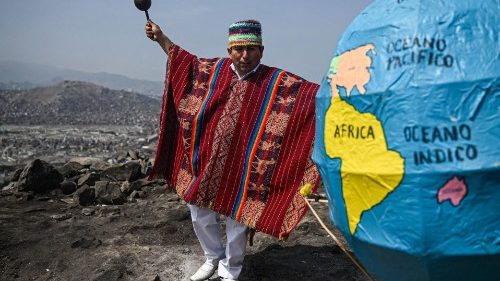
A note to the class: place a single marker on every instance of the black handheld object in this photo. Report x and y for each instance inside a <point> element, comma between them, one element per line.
<point>143,5</point>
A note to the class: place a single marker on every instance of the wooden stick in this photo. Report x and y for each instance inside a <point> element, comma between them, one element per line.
<point>339,243</point>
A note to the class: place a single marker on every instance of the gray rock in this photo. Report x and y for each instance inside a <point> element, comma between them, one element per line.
<point>146,165</point>
<point>109,193</point>
<point>158,189</point>
<point>71,169</point>
<point>121,157</point>
<point>133,195</point>
<point>61,217</point>
<point>138,184</point>
<point>99,166</point>
<point>24,196</point>
<point>127,172</point>
<point>88,211</point>
<point>109,211</point>
<point>137,194</point>
<point>39,176</point>
<point>15,176</point>
<point>141,194</point>
<point>89,179</point>
<point>67,200</point>
<point>10,186</point>
<point>85,161</point>
<point>68,187</point>
<point>126,188</point>
<point>133,155</point>
<point>84,196</point>
<point>75,178</point>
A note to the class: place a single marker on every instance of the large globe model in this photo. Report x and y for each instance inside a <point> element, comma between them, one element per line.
<point>408,139</point>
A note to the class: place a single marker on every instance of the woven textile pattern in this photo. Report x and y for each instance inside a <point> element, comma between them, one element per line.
<point>240,148</point>
<point>245,33</point>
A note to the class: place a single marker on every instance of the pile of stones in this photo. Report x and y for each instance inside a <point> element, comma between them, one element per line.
<point>86,180</point>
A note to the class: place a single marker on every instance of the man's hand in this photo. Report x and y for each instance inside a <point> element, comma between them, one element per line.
<point>154,33</point>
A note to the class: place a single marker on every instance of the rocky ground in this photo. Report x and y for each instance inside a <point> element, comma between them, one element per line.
<point>92,220</point>
<point>57,144</point>
<point>67,215</point>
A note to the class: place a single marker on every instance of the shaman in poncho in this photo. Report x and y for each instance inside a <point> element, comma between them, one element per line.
<point>239,147</point>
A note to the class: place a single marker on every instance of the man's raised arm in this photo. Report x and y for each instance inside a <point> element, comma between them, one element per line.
<point>154,33</point>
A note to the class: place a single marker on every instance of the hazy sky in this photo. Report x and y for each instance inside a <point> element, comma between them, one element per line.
<point>108,35</point>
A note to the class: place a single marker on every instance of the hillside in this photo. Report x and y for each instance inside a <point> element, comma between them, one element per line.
<point>21,75</point>
<point>77,103</point>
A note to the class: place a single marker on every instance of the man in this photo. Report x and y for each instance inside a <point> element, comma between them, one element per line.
<point>235,139</point>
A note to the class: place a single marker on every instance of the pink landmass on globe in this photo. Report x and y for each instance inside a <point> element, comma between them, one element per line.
<point>454,190</point>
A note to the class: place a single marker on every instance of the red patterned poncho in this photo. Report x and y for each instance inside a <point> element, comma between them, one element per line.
<point>239,147</point>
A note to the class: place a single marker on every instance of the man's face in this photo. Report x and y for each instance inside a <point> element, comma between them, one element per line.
<point>245,58</point>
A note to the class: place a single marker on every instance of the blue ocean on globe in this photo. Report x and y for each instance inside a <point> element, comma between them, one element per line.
<point>408,139</point>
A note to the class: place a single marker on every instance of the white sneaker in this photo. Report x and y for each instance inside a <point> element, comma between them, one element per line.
<point>204,272</point>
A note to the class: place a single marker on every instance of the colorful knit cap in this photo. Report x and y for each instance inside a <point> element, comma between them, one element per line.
<point>245,33</point>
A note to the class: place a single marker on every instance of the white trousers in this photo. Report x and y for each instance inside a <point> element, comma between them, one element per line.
<point>229,257</point>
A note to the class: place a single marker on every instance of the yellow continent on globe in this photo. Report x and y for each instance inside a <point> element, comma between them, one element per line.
<point>369,170</point>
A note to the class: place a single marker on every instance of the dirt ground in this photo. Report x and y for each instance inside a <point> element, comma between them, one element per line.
<point>50,238</point>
